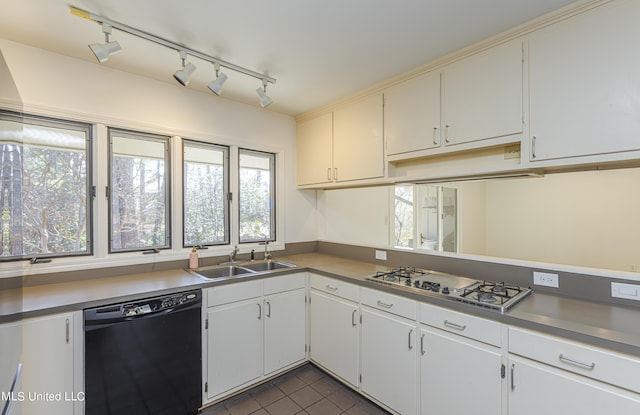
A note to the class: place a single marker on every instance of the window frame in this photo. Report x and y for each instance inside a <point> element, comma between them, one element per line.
<point>226,190</point>
<point>273,162</point>
<point>87,129</point>
<point>139,135</point>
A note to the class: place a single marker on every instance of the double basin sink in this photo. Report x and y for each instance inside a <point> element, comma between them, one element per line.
<point>242,269</point>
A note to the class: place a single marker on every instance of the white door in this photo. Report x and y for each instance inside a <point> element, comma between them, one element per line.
<point>234,345</point>
<point>284,330</point>
<point>412,114</point>
<point>539,389</point>
<point>483,94</point>
<point>452,366</point>
<point>389,360</point>
<point>584,84</point>
<point>334,331</point>
<point>47,365</point>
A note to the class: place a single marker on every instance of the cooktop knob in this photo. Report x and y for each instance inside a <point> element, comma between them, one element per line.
<point>445,290</point>
<point>407,281</point>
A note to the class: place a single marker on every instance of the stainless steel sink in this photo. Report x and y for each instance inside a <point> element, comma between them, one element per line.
<point>267,265</point>
<point>226,271</point>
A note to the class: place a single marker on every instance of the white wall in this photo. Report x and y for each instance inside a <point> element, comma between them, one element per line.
<point>56,85</point>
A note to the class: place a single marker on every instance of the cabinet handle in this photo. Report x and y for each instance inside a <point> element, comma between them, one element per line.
<point>268,309</point>
<point>335,173</point>
<point>259,311</point>
<point>422,351</point>
<point>329,173</point>
<point>435,135</point>
<point>533,147</point>
<point>410,345</point>
<point>565,359</point>
<point>454,325</point>
<point>513,372</point>
<point>385,305</point>
<point>446,133</point>
<point>67,331</point>
<point>353,318</point>
<point>332,289</point>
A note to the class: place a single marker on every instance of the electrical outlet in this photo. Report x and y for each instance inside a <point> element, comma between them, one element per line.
<point>381,255</point>
<point>628,291</point>
<point>546,279</point>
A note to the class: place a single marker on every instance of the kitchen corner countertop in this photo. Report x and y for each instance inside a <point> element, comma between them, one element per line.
<point>609,326</point>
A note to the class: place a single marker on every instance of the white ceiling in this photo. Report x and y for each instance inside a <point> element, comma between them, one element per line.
<point>319,51</point>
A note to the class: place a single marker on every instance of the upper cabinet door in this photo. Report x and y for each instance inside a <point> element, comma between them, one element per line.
<point>358,140</point>
<point>412,114</point>
<point>315,150</point>
<point>482,95</point>
<point>585,84</point>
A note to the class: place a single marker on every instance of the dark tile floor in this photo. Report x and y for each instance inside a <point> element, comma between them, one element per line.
<point>305,390</point>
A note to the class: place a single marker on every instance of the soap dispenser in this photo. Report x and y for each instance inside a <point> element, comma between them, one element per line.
<point>193,259</point>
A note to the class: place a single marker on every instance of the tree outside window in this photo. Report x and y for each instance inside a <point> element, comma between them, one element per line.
<point>257,196</point>
<point>138,191</point>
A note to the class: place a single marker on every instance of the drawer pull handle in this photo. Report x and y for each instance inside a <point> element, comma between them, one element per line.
<point>332,289</point>
<point>454,325</point>
<point>385,305</point>
<point>589,366</point>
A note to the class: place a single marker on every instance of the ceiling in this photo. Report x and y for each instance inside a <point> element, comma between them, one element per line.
<point>319,51</point>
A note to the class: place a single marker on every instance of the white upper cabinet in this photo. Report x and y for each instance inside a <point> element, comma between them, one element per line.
<point>584,83</point>
<point>342,146</point>
<point>315,150</point>
<point>412,114</point>
<point>483,95</point>
<point>358,140</point>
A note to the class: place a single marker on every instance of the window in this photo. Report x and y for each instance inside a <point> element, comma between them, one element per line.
<point>404,234</point>
<point>256,198</point>
<point>45,188</point>
<point>205,189</point>
<point>138,191</point>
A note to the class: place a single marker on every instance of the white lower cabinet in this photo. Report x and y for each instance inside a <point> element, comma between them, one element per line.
<point>548,374</point>
<point>253,329</point>
<point>334,332</point>
<point>389,346</point>
<point>51,364</point>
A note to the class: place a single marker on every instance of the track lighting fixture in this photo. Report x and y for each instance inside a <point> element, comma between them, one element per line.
<point>106,49</point>
<point>103,51</point>
<point>183,75</point>
<point>221,77</point>
<point>262,93</point>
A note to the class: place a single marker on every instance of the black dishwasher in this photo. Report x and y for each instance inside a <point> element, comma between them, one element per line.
<point>144,357</point>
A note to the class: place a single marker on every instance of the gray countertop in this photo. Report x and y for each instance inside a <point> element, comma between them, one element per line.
<point>609,326</point>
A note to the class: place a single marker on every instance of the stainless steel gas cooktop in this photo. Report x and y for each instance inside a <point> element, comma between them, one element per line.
<point>487,294</point>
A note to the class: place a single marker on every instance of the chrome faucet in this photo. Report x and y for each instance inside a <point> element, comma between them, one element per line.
<point>267,254</point>
<point>232,255</point>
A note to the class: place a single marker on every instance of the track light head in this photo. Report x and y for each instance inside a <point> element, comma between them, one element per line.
<point>183,75</point>
<point>103,51</point>
<point>262,93</point>
<point>221,78</point>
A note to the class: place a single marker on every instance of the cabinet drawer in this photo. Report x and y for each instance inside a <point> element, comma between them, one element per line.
<point>390,303</point>
<point>476,328</point>
<point>601,364</point>
<point>336,287</point>
<point>283,283</point>
<point>233,292</point>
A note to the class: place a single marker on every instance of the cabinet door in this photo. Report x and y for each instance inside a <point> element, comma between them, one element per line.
<point>334,332</point>
<point>315,150</point>
<point>412,114</point>
<point>47,365</point>
<point>482,95</point>
<point>450,364</point>
<point>389,360</point>
<point>284,330</point>
<point>234,346</point>
<point>584,84</point>
<point>358,140</point>
<point>539,389</point>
